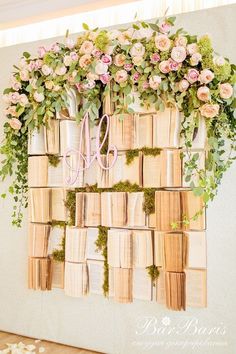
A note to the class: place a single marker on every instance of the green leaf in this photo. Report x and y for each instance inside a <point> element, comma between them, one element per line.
<point>85,26</point>
<point>26,55</point>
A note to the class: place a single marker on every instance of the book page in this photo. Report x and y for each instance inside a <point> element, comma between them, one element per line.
<point>96,277</point>
<point>55,239</point>
<point>38,171</point>
<point>52,136</point>
<point>59,211</point>
<point>142,131</point>
<point>38,235</point>
<point>196,257</point>
<point>55,175</point>
<point>75,244</point>
<point>36,142</point>
<point>196,288</point>
<point>40,205</point>
<point>151,171</point>
<point>142,285</point>
<point>136,215</point>
<point>69,136</point>
<point>121,131</point>
<point>91,248</point>
<point>142,248</point>
<point>58,272</point>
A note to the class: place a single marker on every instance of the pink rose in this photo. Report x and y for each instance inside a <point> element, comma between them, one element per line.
<point>101,68</point>
<point>121,76</point>
<point>183,85</point>
<point>11,110</point>
<point>46,70</point>
<point>154,82</point>
<point>206,76</point>
<point>155,57</point>
<point>15,123</point>
<point>16,85</point>
<point>203,93</point>
<point>178,54</point>
<point>74,56</point>
<point>60,70</point>
<point>96,53</point>
<point>165,27</point>
<point>136,77</point>
<point>164,67</point>
<point>119,59</point>
<point>226,91</point>
<point>38,64</point>
<point>23,100</point>
<point>173,65</point>
<point>192,75</point>
<point>55,48</point>
<point>105,78</point>
<point>31,65</point>
<point>181,41</point>
<point>42,51</point>
<point>128,67</point>
<point>145,85</point>
<point>192,48</point>
<point>195,58</point>
<point>209,110</point>
<point>162,42</point>
<point>85,60</point>
<point>24,75</point>
<point>86,47</point>
<point>14,97</point>
<point>70,43</point>
<point>106,59</point>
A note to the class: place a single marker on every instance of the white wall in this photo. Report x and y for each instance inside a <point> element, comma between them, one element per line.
<point>100,324</point>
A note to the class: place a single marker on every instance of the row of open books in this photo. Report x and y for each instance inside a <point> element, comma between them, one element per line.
<point>148,171</point>
<point>174,289</point>
<point>126,131</point>
<point>126,248</point>
<point>119,209</point>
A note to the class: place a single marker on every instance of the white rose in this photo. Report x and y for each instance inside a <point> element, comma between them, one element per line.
<point>60,70</point>
<point>46,70</point>
<point>39,97</point>
<point>67,60</point>
<point>137,50</point>
<point>101,68</point>
<point>154,82</point>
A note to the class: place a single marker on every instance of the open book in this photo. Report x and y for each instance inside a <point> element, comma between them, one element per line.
<point>75,244</point>
<point>55,239</point>
<point>142,131</point>
<point>51,132</point>
<point>196,249</point>
<point>40,205</point>
<point>88,209</point>
<point>120,284</point>
<point>42,174</point>
<point>76,279</point>
<point>136,217</point>
<point>121,172</point>
<point>142,248</point>
<point>39,274</point>
<point>166,128</point>
<point>121,131</point>
<point>113,209</point>
<point>175,290</point>
<point>73,174</point>
<point>91,249</point>
<point>38,236</point>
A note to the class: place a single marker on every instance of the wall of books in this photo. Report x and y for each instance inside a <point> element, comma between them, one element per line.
<point>132,229</point>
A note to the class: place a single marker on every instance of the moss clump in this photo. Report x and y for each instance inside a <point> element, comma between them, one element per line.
<point>70,204</point>
<point>59,255</point>
<point>206,51</point>
<point>222,72</point>
<point>131,154</point>
<point>102,41</point>
<point>58,223</point>
<point>125,187</point>
<point>101,244</point>
<point>53,160</point>
<point>149,201</point>
<point>153,272</point>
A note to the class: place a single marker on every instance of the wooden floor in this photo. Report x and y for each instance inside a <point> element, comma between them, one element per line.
<point>50,348</point>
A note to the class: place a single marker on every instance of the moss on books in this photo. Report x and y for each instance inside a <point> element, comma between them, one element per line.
<point>131,154</point>
<point>59,255</point>
<point>153,272</point>
<point>53,160</point>
<point>101,244</point>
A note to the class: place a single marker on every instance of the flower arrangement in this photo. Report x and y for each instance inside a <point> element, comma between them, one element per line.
<point>165,68</point>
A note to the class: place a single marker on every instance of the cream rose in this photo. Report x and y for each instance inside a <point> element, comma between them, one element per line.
<point>206,76</point>
<point>195,58</point>
<point>101,68</point>
<point>183,85</point>
<point>119,59</point>
<point>178,54</point>
<point>192,48</point>
<point>46,70</point>
<point>86,47</point>
<point>121,76</point>
<point>137,50</point>
<point>67,60</point>
<point>203,94</point>
<point>92,76</point>
<point>85,60</point>
<point>137,61</point>
<point>60,70</point>
<point>181,41</point>
<point>24,75</point>
<point>23,100</point>
<point>226,91</point>
<point>164,67</point>
<point>14,97</point>
<point>15,123</point>
<point>49,85</point>
<point>154,82</point>
<point>192,75</point>
<point>209,110</point>
<point>39,97</point>
<point>162,42</point>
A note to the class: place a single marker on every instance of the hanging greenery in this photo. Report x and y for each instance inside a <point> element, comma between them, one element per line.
<point>164,67</point>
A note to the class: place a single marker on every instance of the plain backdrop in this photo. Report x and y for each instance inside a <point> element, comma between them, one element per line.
<point>97,323</point>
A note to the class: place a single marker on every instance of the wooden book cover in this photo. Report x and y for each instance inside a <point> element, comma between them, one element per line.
<point>38,239</point>
<point>75,244</point>
<point>123,280</point>
<point>40,205</point>
<point>173,251</point>
<point>59,211</point>
<point>36,142</point>
<point>142,131</point>
<point>38,171</point>
<point>168,209</point>
<point>121,131</point>
<point>142,248</point>
<point>191,205</point>
<point>52,137</point>
<point>196,287</point>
